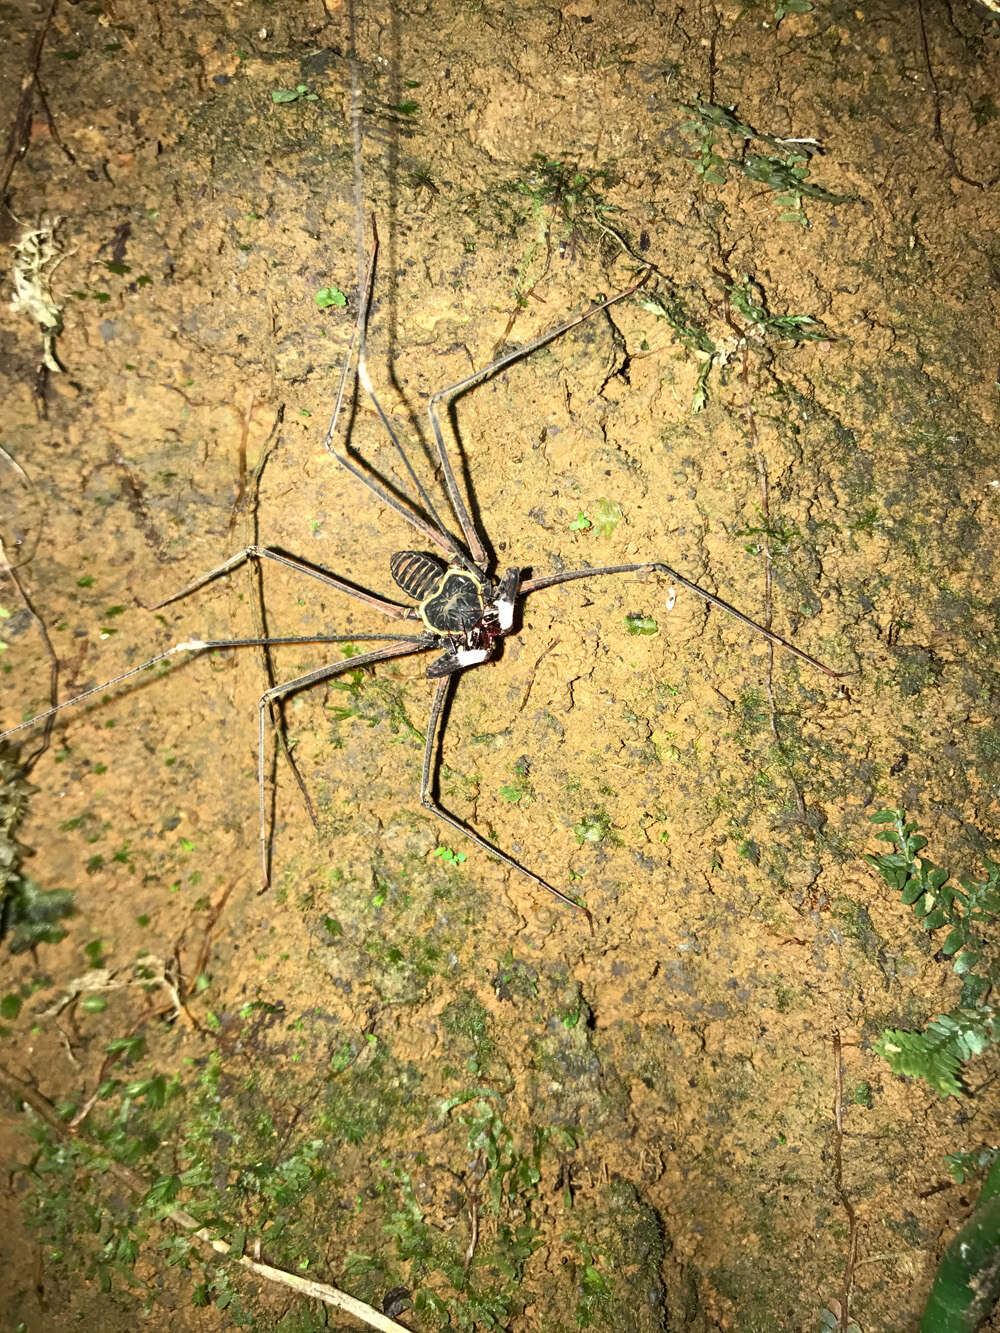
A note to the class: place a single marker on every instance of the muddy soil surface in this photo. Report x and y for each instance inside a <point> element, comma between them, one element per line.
<point>405,1066</point>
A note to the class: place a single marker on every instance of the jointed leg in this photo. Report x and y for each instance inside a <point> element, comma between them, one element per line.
<point>436,534</point>
<point>431,749</point>
<point>399,647</point>
<point>205,645</point>
<point>393,609</point>
<point>549,580</point>
<point>453,390</point>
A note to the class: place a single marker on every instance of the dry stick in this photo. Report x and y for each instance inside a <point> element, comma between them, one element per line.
<point>317,1291</point>
<point>12,462</point>
<point>751,420</point>
<point>7,568</point>
<point>17,137</point>
<point>838,1181</point>
<point>178,993</point>
<point>949,151</point>
<point>57,138</point>
<point>241,462</point>
<point>470,1252</point>
<point>108,1063</point>
<point>531,679</point>
<point>206,940</point>
<point>522,299</point>
<point>183,989</point>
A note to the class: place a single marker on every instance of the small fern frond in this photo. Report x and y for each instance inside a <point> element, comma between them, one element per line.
<point>917,1055</point>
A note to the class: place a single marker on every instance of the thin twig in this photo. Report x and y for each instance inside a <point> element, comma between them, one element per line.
<point>241,463</point>
<point>949,151</point>
<point>176,1006</point>
<point>206,940</point>
<point>7,568</point>
<point>53,128</point>
<point>316,1291</point>
<point>531,679</point>
<point>476,1172</point>
<point>522,298</point>
<point>107,1064</point>
<point>838,1182</point>
<point>751,419</point>
<point>11,461</point>
<point>17,138</point>
<point>175,988</point>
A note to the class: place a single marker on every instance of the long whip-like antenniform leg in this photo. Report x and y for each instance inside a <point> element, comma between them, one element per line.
<point>437,534</point>
<point>399,647</point>
<point>427,800</point>
<point>207,645</point>
<point>402,505</point>
<point>393,609</point>
<point>550,580</point>
<point>446,395</point>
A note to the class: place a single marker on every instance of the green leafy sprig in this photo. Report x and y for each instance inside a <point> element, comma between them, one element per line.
<point>965,908</point>
<point>966,911</point>
<point>783,170</point>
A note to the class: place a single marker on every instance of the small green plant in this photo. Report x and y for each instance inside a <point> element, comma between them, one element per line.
<point>594,1285</point>
<point>967,1165</point>
<point>937,1054</point>
<point>449,857</point>
<point>595,828</point>
<point>686,328</point>
<point>571,194</point>
<point>747,297</point>
<point>563,202</point>
<point>330,296</point>
<point>751,715</point>
<point>641,625</point>
<point>692,336</point>
<point>783,7</point>
<point>514,978</point>
<point>421,179</point>
<point>964,911</point>
<point>466,1018</point>
<point>784,170</point>
<point>607,518</point>
<point>776,535</point>
<point>967,1282</point>
<point>520,791</point>
<point>485,1281</point>
<point>29,915</point>
<point>96,956</point>
<point>601,521</point>
<point>300,93</point>
<point>373,700</point>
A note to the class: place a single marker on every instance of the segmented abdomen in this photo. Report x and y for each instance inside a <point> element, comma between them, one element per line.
<point>416,572</point>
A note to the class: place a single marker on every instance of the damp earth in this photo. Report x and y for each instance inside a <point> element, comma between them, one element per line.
<point>403,1066</point>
